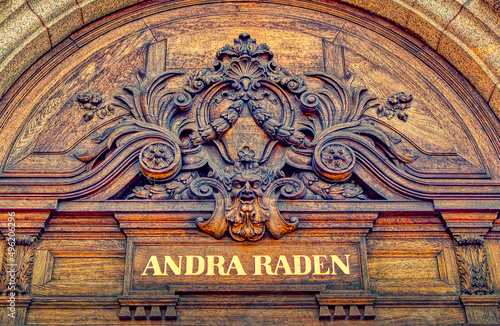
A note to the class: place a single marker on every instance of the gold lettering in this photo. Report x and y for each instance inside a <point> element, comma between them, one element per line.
<point>236,264</point>
<point>155,266</point>
<point>297,265</point>
<point>344,267</point>
<point>190,265</point>
<point>259,264</point>
<point>318,265</point>
<point>195,265</point>
<point>283,263</point>
<point>170,262</point>
<point>211,265</point>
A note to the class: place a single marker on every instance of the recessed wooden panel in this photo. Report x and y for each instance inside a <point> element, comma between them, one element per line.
<point>333,265</point>
<point>421,316</point>
<point>78,269</point>
<point>74,316</point>
<point>77,276</point>
<point>417,266</point>
<point>421,267</point>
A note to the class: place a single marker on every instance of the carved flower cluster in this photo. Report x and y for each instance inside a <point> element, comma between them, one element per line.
<point>397,103</point>
<point>91,103</point>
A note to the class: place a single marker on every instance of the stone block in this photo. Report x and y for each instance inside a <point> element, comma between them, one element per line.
<point>24,40</point>
<point>61,17</point>
<point>396,11</point>
<point>486,12</point>
<point>428,30</point>
<point>8,7</point>
<point>495,101</point>
<point>468,63</point>
<point>95,9</point>
<point>442,12</point>
<point>477,36</point>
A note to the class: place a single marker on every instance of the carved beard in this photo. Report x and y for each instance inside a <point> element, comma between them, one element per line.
<point>247,220</point>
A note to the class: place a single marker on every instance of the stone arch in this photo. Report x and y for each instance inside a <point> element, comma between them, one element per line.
<point>466,33</point>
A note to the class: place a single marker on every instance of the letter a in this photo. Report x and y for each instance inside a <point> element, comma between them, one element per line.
<point>283,263</point>
<point>152,264</point>
<point>236,264</point>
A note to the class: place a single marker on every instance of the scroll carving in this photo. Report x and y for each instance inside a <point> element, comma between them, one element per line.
<point>17,266</point>
<point>247,132</point>
<point>475,277</point>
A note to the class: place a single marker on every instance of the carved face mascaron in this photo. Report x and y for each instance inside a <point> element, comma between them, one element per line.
<point>246,182</point>
<point>247,187</point>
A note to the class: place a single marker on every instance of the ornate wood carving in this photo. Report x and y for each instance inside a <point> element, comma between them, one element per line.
<point>92,103</point>
<point>337,308</point>
<point>472,263</point>
<point>259,131</point>
<point>249,146</point>
<point>395,106</point>
<point>18,262</point>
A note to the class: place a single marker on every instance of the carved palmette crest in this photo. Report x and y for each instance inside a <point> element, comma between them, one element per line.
<point>247,132</point>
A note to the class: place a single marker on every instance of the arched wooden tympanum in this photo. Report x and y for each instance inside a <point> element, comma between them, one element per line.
<point>249,162</point>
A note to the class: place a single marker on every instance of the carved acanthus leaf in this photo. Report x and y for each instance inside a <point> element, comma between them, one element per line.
<point>23,255</point>
<point>472,263</point>
<point>25,272</point>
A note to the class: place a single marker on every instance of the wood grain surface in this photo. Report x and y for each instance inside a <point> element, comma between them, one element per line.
<point>341,136</point>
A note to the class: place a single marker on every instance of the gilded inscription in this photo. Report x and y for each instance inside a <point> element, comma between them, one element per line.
<point>261,265</point>
<point>206,267</point>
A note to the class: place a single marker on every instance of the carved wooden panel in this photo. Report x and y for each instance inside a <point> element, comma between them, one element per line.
<point>162,159</point>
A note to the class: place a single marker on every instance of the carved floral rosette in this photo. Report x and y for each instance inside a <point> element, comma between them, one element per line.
<point>247,132</point>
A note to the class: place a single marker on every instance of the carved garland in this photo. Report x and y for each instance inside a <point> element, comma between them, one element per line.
<point>315,133</point>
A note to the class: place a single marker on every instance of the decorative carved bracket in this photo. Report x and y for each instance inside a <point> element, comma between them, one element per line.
<point>345,308</point>
<point>472,262</point>
<point>469,229</point>
<point>144,308</point>
<point>17,264</point>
